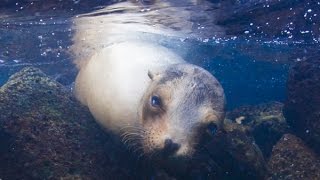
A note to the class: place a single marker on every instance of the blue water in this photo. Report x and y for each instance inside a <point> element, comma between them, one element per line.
<point>248,78</point>
<point>40,41</point>
<point>247,82</point>
<point>251,71</point>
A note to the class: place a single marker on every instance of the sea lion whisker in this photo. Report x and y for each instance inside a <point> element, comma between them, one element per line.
<point>137,133</point>
<point>130,140</point>
<point>141,155</point>
<point>131,127</point>
<point>137,148</point>
<point>139,151</point>
<point>155,154</point>
<point>131,134</point>
<point>131,130</point>
<point>133,146</point>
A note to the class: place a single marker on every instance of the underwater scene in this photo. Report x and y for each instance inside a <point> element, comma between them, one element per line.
<point>160,89</point>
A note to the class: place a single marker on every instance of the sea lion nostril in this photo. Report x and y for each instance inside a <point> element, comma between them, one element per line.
<point>170,147</point>
<point>175,146</point>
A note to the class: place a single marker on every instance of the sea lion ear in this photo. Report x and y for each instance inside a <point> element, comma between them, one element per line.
<point>152,75</point>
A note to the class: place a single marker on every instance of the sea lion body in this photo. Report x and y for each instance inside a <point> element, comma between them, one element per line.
<point>140,90</point>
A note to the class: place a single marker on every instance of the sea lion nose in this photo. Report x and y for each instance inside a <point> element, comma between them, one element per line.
<point>170,147</point>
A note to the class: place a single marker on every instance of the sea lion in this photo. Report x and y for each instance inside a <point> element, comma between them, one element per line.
<point>147,94</point>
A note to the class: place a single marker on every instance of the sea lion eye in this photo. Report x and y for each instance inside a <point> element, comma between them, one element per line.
<point>155,101</point>
<point>212,129</point>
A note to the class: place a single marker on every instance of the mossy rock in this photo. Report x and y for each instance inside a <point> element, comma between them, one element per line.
<point>265,121</point>
<point>46,134</point>
<point>292,159</point>
<point>302,106</point>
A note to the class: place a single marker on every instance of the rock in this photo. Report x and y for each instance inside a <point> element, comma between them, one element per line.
<point>45,133</point>
<point>266,122</point>
<point>228,154</point>
<point>302,107</point>
<point>235,153</point>
<point>292,159</point>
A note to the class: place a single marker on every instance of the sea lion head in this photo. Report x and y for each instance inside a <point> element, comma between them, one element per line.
<point>181,101</point>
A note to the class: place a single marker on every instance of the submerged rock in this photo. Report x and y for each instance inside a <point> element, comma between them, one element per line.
<point>229,154</point>
<point>302,107</point>
<point>292,159</point>
<point>237,154</point>
<point>45,133</point>
<point>265,121</point>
